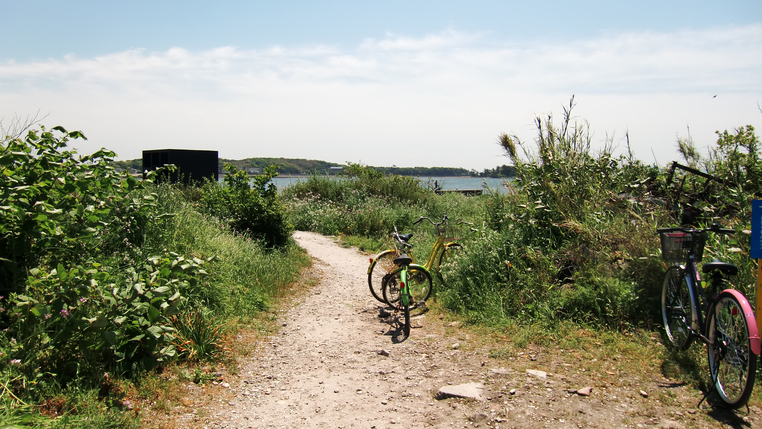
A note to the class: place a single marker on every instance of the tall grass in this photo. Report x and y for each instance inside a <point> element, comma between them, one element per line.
<point>367,204</point>
<point>243,273</point>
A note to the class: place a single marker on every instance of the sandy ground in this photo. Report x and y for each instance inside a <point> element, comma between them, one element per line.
<point>336,364</point>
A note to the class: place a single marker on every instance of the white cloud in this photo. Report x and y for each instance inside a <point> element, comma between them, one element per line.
<point>436,100</point>
<point>446,40</point>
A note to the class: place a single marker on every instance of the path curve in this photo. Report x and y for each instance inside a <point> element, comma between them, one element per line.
<point>334,363</point>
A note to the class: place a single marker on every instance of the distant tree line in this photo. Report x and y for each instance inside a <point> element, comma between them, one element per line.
<point>502,171</point>
<point>290,166</point>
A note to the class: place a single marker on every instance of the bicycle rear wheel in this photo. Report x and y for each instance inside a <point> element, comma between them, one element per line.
<point>676,308</point>
<point>731,362</point>
<point>380,266</point>
<point>419,285</point>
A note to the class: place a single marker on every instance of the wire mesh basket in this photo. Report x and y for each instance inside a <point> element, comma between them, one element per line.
<point>455,231</point>
<point>675,246</point>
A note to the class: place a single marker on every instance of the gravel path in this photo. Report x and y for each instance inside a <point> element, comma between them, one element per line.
<point>336,364</point>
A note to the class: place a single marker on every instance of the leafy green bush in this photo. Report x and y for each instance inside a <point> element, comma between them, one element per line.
<point>249,205</point>
<point>75,322</point>
<point>58,207</point>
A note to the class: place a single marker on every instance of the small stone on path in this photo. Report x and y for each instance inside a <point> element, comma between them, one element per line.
<point>468,391</point>
<point>539,374</point>
<point>585,391</point>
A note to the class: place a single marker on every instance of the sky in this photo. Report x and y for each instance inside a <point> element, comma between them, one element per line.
<point>406,83</point>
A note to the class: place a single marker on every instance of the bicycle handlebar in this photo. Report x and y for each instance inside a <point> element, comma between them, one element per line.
<point>714,228</point>
<point>444,219</point>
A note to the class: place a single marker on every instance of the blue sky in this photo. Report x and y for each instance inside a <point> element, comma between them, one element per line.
<point>410,83</point>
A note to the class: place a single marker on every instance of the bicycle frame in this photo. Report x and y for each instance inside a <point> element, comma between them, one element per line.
<point>704,304</point>
<point>439,246</point>
<point>404,295</point>
<point>698,297</point>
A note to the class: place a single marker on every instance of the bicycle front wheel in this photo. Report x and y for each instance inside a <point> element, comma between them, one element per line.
<point>676,308</point>
<point>449,254</point>
<point>419,285</point>
<point>406,313</point>
<point>380,266</point>
<point>731,362</point>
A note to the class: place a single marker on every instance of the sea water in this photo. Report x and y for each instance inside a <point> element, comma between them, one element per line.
<point>444,183</point>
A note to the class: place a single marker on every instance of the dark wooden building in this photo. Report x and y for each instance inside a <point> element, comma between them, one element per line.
<point>193,166</point>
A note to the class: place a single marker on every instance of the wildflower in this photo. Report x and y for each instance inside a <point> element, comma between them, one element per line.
<point>83,300</point>
<point>16,361</point>
<point>47,315</point>
<point>64,313</point>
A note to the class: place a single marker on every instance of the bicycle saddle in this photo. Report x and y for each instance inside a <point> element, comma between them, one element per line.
<point>403,259</point>
<point>406,237</point>
<point>723,267</point>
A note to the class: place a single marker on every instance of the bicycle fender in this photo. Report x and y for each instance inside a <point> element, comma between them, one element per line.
<point>749,313</point>
<point>420,267</point>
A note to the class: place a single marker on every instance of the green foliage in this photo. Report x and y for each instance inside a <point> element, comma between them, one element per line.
<point>250,205</point>
<point>95,273</point>
<point>736,158</point>
<point>75,322</point>
<point>73,408</point>
<point>425,171</point>
<point>285,165</point>
<point>56,204</point>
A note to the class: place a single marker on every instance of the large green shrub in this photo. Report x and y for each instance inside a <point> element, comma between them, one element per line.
<point>78,297</point>
<point>60,207</point>
<point>94,277</point>
<point>250,205</point>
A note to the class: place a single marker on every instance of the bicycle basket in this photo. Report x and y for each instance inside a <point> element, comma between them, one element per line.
<point>676,245</point>
<point>454,232</point>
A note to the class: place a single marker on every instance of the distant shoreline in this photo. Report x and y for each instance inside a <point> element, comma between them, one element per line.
<point>305,176</point>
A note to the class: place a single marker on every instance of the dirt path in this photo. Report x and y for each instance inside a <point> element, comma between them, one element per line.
<point>335,364</point>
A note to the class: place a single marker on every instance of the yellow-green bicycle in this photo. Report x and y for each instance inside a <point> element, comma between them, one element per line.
<point>382,266</point>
